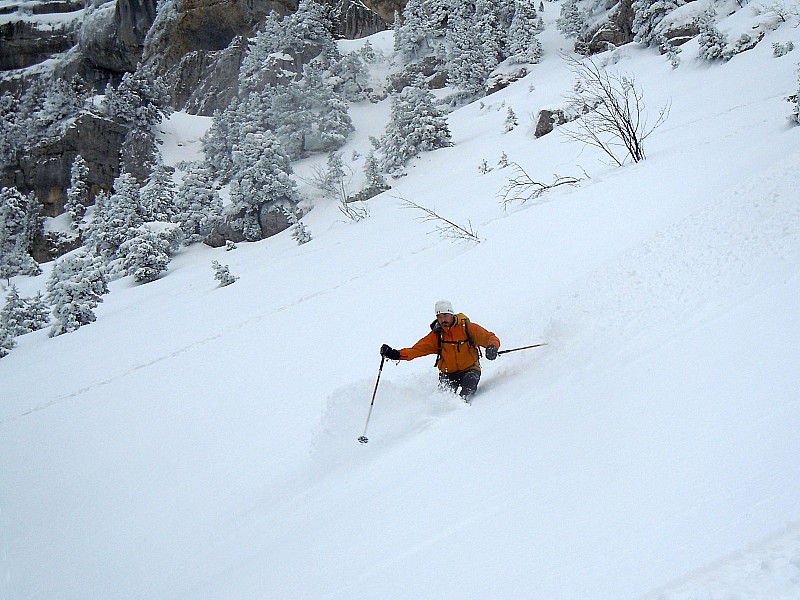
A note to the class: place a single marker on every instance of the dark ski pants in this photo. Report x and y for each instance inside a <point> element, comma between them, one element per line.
<point>466,380</point>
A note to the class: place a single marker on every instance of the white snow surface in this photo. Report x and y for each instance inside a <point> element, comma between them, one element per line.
<point>199,442</point>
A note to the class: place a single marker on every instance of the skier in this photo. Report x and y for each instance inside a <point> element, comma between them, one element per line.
<point>455,341</point>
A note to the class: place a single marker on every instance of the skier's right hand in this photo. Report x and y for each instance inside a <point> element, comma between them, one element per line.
<point>389,352</point>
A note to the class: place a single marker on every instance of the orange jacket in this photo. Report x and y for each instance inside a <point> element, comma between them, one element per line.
<point>457,353</point>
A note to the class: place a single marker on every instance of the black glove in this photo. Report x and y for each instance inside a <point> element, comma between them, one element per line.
<point>491,352</point>
<point>389,352</point>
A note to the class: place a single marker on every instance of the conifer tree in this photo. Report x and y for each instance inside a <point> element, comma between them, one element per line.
<point>23,315</point>
<point>9,131</point>
<point>142,98</point>
<point>271,38</point>
<point>372,173</point>
<point>11,316</point>
<point>523,45</point>
<point>64,99</point>
<point>711,40</point>
<point>78,191</point>
<point>796,111</point>
<point>19,222</point>
<point>308,26</point>
<point>198,207</point>
<point>571,21</point>
<point>416,125</point>
<point>222,273</point>
<point>647,15</point>
<point>146,256</point>
<point>262,181</point>
<point>157,196</point>
<point>511,120</point>
<point>6,341</point>
<point>75,288</point>
<point>116,218</point>
<point>414,32</point>
<point>352,79</point>
<point>36,313</point>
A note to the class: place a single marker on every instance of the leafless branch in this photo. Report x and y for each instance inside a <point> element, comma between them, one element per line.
<point>617,117</point>
<point>523,188</point>
<point>445,227</point>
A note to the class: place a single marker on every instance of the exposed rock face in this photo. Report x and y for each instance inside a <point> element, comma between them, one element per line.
<point>356,20</point>
<point>429,68</point>
<point>200,49</point>
<point>616,30</point>
<point>270,221</point>
<point>385,8</point>
<point>45,170</point>
<point>112,36</point>
<point>24,43</point>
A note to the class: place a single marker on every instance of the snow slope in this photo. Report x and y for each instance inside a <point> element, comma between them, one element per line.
<point>200,442</point>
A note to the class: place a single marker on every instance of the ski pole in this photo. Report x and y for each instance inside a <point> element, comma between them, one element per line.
<point>364,439</point>
<point>521,348</point>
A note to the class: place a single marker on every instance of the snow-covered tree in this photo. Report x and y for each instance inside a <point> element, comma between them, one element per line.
<point>222,136</point>
<point>78,191</point>
<point>157,196</point>
<point>351,78</point>
<point>413,31</point>
<point>333,182</point>
<point>63,101</point>
<point>36,314</point>
<point>222,273</point>
<point>75,288</point>
<point>262,181</point>
<point>796,111</point>
<point>11,316</point>
<point>332,121</point>
<point>6,341</point>
<point>647,15</point>
<point>523,45</point>
<point>511,120</point>
<point>711,40</point>
<point>308,26</point>
<point>23,315</point>
<point>19,223</point>
<point>198,207</point>
<point>571,22</point>
<point>146,255</point>
<point>416,125</point>
<point>9,130</point>
<point>475,43</point>
<point>372,173</point>
<point>116,218</point>
<point>141,99</point>
<point>300,233</point>
<point>269,40</point>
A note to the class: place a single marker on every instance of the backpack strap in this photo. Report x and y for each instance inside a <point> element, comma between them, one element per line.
<point>436,326</point>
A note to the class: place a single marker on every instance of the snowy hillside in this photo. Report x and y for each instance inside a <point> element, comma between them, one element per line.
<point>199,442</point>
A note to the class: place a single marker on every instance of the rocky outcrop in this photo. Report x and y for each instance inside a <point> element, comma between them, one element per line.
<point>199,50</point>
<point>615,30</point>
<point>385,8</point>
<point>356,20</point>
<point>112,36</point>
<point>45,169</point>
<point>28,40</point>
<point>270,220</point>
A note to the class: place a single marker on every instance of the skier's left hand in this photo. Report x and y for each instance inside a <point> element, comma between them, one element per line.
<point>491,352</point>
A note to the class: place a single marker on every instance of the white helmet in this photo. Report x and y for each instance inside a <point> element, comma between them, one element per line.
<point>444,306</point>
